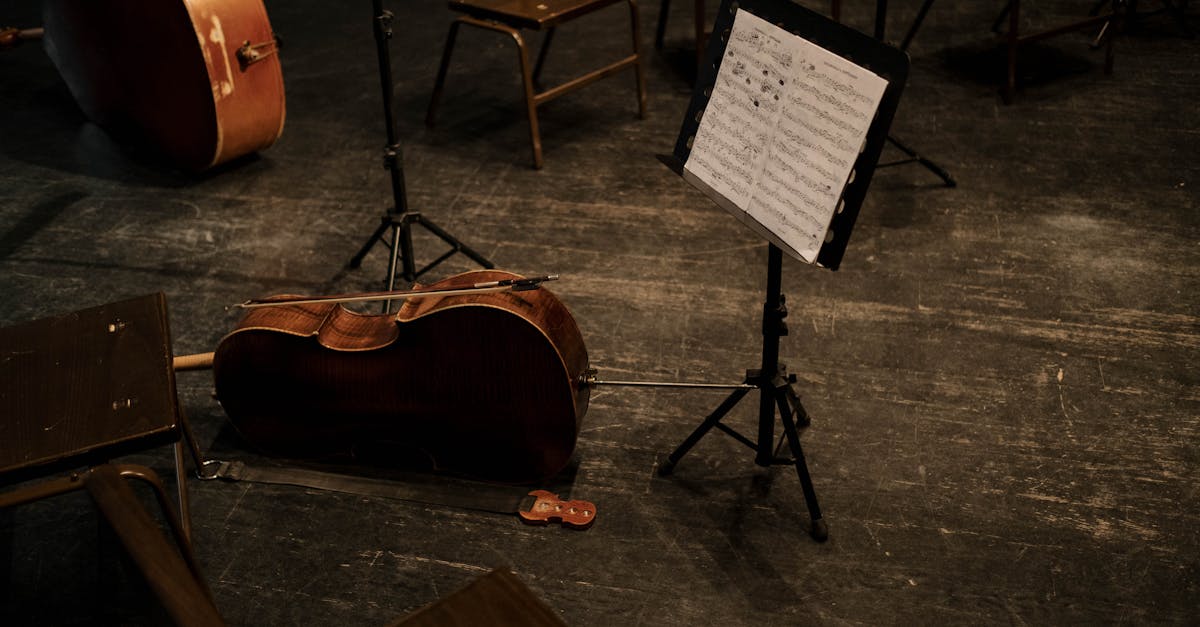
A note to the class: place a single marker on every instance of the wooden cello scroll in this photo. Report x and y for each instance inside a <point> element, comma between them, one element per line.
<point>196,80</point>
<point>547,508</point>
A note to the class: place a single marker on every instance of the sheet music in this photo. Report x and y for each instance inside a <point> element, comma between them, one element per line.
<point>782,129</point>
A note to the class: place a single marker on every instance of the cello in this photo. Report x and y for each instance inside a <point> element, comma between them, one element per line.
<point>199,80</point>
<point>485,385</point>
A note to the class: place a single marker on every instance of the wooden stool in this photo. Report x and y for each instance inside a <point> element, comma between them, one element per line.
<point>80,389</point>
<point>512,16</point>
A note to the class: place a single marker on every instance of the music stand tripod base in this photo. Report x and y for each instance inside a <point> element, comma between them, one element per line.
<point>776,393</point>
<point>401,246</point>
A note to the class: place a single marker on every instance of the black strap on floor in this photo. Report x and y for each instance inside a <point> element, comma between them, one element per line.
<point>426,489</point>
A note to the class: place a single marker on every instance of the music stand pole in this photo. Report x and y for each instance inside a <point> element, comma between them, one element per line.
<point>776,392</point>
<point>399,219</point>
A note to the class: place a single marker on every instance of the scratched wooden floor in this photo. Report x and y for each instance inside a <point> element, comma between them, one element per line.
<point>1002,377</point>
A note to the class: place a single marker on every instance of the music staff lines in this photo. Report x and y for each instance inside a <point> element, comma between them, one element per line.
<point>782,130</point>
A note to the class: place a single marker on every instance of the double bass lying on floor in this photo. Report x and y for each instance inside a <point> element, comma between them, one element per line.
<point>487,385</point>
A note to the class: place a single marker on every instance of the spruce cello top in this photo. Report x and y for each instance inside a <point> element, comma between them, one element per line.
<point>484,385</point>
<point>199,80</point>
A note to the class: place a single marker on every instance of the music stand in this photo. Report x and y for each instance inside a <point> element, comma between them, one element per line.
<point>399,219</point>
<point>772,379</point>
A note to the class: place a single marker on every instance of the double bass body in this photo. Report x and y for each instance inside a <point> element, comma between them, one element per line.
<point>172,74</point>
<point>484,385</point>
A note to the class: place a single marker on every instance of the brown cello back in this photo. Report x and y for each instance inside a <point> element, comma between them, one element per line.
<point>167,73</point>
<point>483,385</point>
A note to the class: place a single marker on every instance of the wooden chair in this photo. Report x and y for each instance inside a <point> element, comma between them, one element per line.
<point>513,16</point>
<point>1107,24</point>
<point>80,389</point>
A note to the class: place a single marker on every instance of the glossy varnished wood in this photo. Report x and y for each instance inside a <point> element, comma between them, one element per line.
<point>486,385</point>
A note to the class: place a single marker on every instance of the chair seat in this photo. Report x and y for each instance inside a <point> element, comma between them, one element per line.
<point>528,14</point>
<point>85,387</point>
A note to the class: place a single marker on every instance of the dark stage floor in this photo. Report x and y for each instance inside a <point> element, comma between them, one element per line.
<point>1002,377</point>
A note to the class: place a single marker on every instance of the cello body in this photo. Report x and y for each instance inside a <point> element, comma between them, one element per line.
<point>482,385</point>
<point>169,73</point>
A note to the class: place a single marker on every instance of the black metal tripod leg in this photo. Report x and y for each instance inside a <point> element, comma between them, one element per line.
<point>453,241</point>
<point>929,165</point>
<point>916,25</point>
<point>820,531</point>
<point>788,393</point>
<point>711,421</point>
<point>1002,17</point>
<point>660,30</point>
<point>356,261</point>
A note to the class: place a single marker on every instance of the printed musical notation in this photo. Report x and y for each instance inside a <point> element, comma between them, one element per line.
<point>781,132</point>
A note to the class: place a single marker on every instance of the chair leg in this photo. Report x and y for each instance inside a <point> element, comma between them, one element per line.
<point>1113,26</point>
<point>531,96</point>
<point>1003,15</point>
<point>179,586</point>
<point>40,490</point>
<point>635,27</point>
<point>185,510</point>
<point>1010,80</point>
<point>535,135</point>
<point>835,10</point>
<point>188,599</point>
<point>541,60</point>
<point>660,30</point>
<point>179,529</point>
<point>699,19</point>
<point>440,83</point>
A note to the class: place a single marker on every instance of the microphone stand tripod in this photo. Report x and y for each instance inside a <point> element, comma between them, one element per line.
<point>399,219</point>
